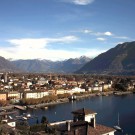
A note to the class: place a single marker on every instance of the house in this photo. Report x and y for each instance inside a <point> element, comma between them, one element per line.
<point>107,86</point>
<point>35,94</point>
<point>7,120</point>
<point>42,81</point>
<point>77,90</point>
<point>13,95</point>
<point>29,84</point>
<point>84,123</point>
<point>3,96</point>
<point>10,122</point>
<point>59,91</point>
<point>95,88</point>
<point>51,92</point>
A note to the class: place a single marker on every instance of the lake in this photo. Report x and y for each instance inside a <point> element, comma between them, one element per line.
<point>107,108</point>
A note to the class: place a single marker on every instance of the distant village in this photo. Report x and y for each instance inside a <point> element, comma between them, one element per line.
<point>17,87</point>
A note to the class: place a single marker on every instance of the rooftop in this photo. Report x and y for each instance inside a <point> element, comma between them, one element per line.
<point>84,111</point>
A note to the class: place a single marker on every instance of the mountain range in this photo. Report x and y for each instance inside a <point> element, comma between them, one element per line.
<point>6,65</point>
<point>119,60</point>
<point>43,66</point>
<point>47,66</point>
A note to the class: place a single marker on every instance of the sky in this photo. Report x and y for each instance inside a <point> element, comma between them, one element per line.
<point>63,29</point>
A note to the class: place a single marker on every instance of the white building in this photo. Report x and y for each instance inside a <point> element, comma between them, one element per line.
<point>95,88</point>
<point>42,81</point>
<point>14,94</point>
<point>35,94</point>
<point>77,90</point>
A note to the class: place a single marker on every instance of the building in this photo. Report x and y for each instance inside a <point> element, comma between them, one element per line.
<point>59,91</point>
<point>84,123</point>
<point>3,96</point>
<point>42,81</point>
<point>107,86</point>
<point>35,94</point>
<point>10,122</point>
<point>13,95</point>
<point>95,88</point>
<point>77,90</point>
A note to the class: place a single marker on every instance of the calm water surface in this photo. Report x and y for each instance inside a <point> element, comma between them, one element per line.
<point>107,108</point>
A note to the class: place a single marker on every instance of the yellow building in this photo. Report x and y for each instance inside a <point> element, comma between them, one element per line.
<point>3,96</point>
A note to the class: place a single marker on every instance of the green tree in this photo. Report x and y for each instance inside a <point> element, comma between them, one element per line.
<point>44,120</point>
<point>37,121</point>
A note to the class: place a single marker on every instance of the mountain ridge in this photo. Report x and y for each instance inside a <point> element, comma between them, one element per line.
<point>47,66</point>
<point>7,66</point>
<point>117,60</point>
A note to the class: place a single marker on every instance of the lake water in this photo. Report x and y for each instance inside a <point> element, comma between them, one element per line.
<point>107,108</point>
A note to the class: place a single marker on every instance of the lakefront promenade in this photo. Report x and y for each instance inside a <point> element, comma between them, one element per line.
<point>64,100</point>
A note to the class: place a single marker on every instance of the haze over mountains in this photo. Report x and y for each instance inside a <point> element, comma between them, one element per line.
<point>118,60</point>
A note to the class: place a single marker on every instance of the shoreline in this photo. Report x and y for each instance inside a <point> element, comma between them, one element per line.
<point>65,100</point>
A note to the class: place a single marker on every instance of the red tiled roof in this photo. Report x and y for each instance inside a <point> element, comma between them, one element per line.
<point>99,130</point>
<point>80,128</point>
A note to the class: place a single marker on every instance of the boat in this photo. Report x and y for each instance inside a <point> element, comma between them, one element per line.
<point>25,118</point>
<point>98,94</point>
<point>118,93</point>
<point>104,94</point>
<point>117,127</point>
<point>28,115</point>
<point>46,107</point>
<point>71,98</point>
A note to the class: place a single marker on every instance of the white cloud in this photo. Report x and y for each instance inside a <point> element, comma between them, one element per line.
<point>87,31</point>
<point>107,33</point>
<point>29,48</point>
<point>84,31</point>
<point>29,43</point>
<point>121,37</point>
<point>40,42</point>
<point>27,53</point>
<point>80,2</point>
<point>37,49</point>
<point>101,39</point>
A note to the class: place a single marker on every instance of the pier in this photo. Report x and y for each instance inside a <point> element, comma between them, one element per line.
<point>7,113</point>
<point>20,107</point>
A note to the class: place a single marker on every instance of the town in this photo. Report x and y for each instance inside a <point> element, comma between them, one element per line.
<point>23,91</point>
<point>18,88</point>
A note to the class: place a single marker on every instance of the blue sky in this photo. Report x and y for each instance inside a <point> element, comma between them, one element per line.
<point>62,29</point>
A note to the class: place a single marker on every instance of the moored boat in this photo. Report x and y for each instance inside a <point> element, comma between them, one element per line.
<point>73,97</point>
<point>117,127</point>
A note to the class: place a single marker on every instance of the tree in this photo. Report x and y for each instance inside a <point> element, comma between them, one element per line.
<point>44,120</point>
<point>37,121</point>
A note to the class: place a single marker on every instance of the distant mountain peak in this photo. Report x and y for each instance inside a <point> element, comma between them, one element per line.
<point>7,66</point>
<point>118,60</point>
<point>47,66</point>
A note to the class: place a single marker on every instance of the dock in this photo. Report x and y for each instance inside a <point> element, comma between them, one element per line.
<point>20,107</point>
<point>7,113</point>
